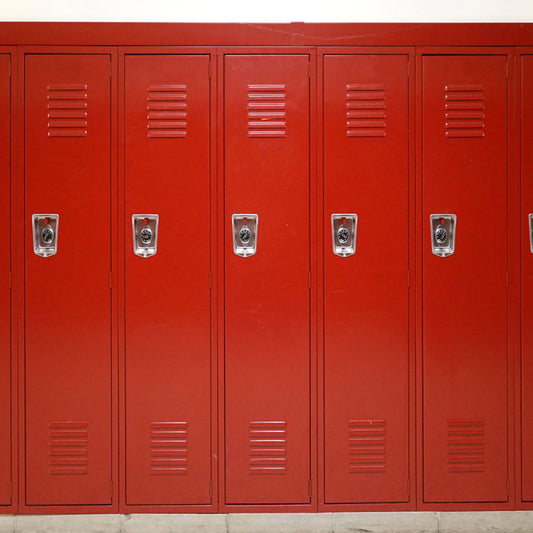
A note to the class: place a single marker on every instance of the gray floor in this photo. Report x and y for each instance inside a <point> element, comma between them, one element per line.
<point>493,522</point>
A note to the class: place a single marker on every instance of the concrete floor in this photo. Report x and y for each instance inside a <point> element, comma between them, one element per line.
<point>479,522</point>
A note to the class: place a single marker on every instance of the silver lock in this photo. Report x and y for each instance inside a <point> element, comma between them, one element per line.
<point>45,234</point>
<point>145,229</point>
<point>443,234</point>
<point>531,232</point>
<point>344,233</point>
<point>244,227</point>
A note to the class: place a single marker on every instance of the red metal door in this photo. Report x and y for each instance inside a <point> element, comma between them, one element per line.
<point>68,304</point>
<point>168,396</point>
<point>465,294</point>
<point>5,293</point>
<point>267,294</point>
<point>366,294</point>
<point>527,278</point>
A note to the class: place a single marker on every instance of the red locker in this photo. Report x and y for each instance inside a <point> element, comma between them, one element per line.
<point>67,295</point>
<point>366,294</point>
<point>267,374</point>
<point>168,359</point>
<point>526,226</point>
<point>5,292</point>
<point>465,294</point>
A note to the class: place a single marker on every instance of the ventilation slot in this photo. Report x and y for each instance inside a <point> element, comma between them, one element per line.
<point>366,446</point>
<point>67,110</point>
<point>268,447</point>
<point>466,446</point>
<point>167,111</point>
<point>168,448</point>
<point>365,110</point>
<point>68,448</point>
<point>267,115</point>
<point>465,111</point>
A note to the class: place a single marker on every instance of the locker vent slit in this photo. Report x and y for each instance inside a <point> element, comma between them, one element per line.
<point>366,446</point>
<point>365,110</point>
<point>166,111</point>
<point>268,447</point>
<point>68,448</point>
<point>464,111</point>
<point>67,110</point>
<point>169,448</point>
<point>466,446</point>
<point>267,110</point>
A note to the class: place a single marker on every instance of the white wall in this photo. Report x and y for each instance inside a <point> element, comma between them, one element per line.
<point>269,10</point>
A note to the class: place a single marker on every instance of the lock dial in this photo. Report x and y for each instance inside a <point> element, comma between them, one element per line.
<point>146,235</point>
<point>47,235</point>
<point>245,235</point>
<point>441,234</point>
<point>343,235</point>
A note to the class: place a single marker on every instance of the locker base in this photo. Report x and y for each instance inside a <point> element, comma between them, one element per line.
<point>403,522</point>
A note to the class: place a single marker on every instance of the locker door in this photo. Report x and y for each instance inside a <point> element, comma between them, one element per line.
<point>68,298</point>
<point>168,396</point>
<point>465,294</point>
<point>5,293</point>
<point>267,294</point>
<point>366,294</point>
<point>527,279</point>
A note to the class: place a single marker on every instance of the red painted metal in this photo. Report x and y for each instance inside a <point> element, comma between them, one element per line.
<point>68,312</point>
<point>267,378</point>
<point>527,277</point>
<point>467,380</point>
<point>465,295</point>
<point>168,422</point>
<point>5,276</point>
<point>366,320</point>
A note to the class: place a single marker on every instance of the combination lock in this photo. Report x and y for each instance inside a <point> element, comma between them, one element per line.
<point>47,235</point>
<point>441,234</point>
<point>146,235</point>
<point>343,235</point>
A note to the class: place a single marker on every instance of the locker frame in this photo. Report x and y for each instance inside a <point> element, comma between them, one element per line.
<point>313,487</point>
<point>123,228</point>
<point>11,51</point>
<point>410,505</point>
<point>21,223</point>
<point>512,284</point>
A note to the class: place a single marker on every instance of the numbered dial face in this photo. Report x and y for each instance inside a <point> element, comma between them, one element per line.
<point>47,235</point>
<point>245,235</point>
<point>441,234</point>
<point>146,235</point>
<point>343,235</point>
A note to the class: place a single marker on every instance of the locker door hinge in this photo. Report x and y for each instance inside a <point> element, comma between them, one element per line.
<point>111,490</point>
<point>408,278</point>
<point>9,280</point>
<point>508,487</point>
<point>310,488</point>
<point>309,69</point>
<point>209,70</point>
<point>11,490</point>
<point>211,489</point>
<point>309,279</point>
<point>9,68</point>
<point>507,69</point>
<point>111,280</point>
<point>507,279</point>
<point>409,488</point>
<point>210,281</point>
<point>408,67</point>
<point>110,71</point>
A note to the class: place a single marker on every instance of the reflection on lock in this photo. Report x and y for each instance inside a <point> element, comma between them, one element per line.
<point>244,228</point>
<point>45,234</point>
<point>531,232</point>
<point>344,233</point>
<point>443,234</point>
<point>145,234</point>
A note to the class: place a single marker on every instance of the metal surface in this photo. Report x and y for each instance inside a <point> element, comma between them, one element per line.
<point>465,382</point>
<point>527,279</point>
<point>344,234</point>
<point>366,295</point>
<point>68,311</point>
<point>145,230</point>
<point>244,228</point>
<point>5,284</point>
<point>167,333</point>
<point>45,234</point>
<point>267,378</point>
<point>443,234</point>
